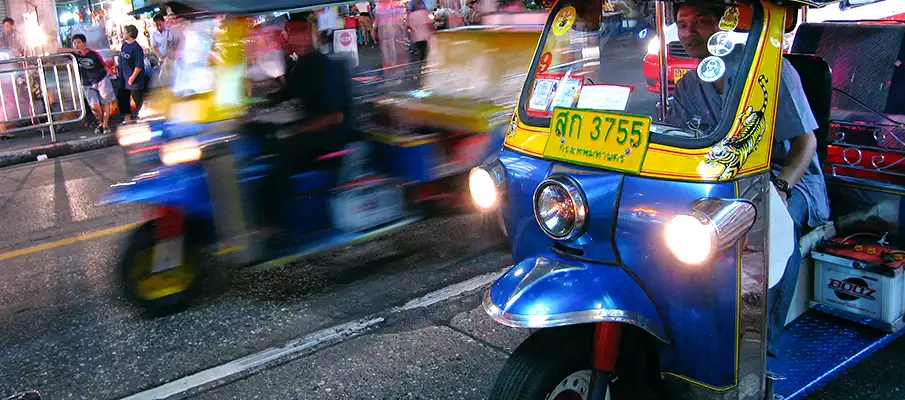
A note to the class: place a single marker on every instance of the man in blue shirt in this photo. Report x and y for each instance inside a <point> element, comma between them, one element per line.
<point>794,165</point>
<point>131,69</point>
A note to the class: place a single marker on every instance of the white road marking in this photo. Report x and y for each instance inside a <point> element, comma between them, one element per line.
<point>217,376</point>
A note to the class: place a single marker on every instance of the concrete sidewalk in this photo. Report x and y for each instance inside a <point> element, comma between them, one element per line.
<point>73,138</point>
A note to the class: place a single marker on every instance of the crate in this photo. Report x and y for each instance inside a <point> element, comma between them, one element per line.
<point>857,281</point>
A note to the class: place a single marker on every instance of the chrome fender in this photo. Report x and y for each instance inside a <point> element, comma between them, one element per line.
<point>165,185</point>
<point>547,291</point>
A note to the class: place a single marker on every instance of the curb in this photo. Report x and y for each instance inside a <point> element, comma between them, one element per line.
<point>55,150</point>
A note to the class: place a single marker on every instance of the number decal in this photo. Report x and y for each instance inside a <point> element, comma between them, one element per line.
<point>545,60</point>
<point>596,134</point>
<point>636,133</point>
<point>623,131</point>
<point>609,128</point>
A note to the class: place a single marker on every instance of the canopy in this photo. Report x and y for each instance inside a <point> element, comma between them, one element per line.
<point>259,6</point>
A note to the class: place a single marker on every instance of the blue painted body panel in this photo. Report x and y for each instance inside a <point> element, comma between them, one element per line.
<point>577,286</point>
<point>698,304</point>
<point>626,218</point>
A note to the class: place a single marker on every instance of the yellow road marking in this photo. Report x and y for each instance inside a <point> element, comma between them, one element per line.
<point>67,241</point>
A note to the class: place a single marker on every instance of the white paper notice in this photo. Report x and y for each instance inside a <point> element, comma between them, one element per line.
<point>543,91</point>
<point>604,97</point>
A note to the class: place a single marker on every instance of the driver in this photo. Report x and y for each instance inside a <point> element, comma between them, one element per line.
<point>794,165</point>
<point>322,90</point>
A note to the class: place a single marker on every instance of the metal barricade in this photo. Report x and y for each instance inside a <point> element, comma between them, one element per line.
<point>27,98</point>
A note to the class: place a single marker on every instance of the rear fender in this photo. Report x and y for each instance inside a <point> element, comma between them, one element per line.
<point>549,291</point>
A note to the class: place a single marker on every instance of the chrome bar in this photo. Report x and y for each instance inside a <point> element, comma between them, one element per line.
<point>75,106</point>
<point>12,80</point>
<point>31,98</point>
<point>3,101</point>
<point>44,93</point>
<point>661,37</point>
<point>56,78</point>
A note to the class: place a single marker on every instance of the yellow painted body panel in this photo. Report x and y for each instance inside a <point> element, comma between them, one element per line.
<point>746,148</point>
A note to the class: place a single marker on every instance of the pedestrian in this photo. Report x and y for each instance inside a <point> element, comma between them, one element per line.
<point>10,38</point>
<point>131,70</point>
<point>422,28</point>
<point>165,43</point>
<point>326,23</point>
<point>96,85</point>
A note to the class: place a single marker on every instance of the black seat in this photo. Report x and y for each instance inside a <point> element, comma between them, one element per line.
<point>817,83</point>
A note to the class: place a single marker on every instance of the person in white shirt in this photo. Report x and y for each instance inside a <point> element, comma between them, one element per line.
<point>165,42</point>
<point>326,24</point>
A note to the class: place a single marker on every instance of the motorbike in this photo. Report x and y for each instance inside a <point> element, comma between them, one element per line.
<point>202,198</point>
<point>650,246</point>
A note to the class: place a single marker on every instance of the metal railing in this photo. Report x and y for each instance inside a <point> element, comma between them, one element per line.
<point>37,107</point>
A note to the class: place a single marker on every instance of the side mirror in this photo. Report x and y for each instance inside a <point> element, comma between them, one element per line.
<point>29,395</point>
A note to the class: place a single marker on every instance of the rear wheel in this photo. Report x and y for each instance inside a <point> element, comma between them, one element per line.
<point>555,364</point>
<point>157,292</point>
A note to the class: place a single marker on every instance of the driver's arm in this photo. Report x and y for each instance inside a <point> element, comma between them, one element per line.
<point>800,155</point>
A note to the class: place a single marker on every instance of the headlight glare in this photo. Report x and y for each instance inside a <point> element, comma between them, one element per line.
<point>688,239</point>
<point>130,135</point>
<point>180,152</point>
<point>483,188</point>
<point>560,208</point>
<point>653,47</point>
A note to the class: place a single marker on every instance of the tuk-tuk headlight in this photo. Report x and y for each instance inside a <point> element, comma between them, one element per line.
<point>487,184</point>
<point>712,226</point>
<point>180,152</point>
<point>560,208</point>
<point>132,134</point>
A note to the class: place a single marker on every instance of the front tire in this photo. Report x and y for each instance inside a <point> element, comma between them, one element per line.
<point>163,292</point>
<point>555,364</point>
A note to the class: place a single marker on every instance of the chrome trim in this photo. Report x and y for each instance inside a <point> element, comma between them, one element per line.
<point>579,203</point>
<point>728,220</point>
<point>571,318</point>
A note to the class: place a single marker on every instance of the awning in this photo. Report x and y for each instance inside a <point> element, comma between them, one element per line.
<point>178,8</point>
<point>259,6</point>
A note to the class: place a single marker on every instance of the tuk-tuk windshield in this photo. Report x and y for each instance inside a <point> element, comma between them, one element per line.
<point>584,62</point>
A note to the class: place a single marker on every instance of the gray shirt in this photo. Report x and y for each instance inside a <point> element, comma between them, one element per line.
<point>698,105</point>
<point>13,42</point>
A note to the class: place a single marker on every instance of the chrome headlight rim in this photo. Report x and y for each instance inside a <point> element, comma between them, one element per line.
<point>579,205</point>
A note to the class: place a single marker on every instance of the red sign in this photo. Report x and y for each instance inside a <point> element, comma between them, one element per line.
<point>345,39</point>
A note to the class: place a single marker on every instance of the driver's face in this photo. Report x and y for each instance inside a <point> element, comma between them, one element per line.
<point>696,25</point>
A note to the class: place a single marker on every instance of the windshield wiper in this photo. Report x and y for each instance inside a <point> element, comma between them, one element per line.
<point>869,108</point>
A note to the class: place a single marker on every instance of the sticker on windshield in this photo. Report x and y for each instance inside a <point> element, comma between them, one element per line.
<point>719,44</point>
<point>542,94</point>
<point>545,60</point>
<point>711,69</point>
<point>604,97</point>
<point>564,20</point>
<point>730,19</point>
<point>566,93</point>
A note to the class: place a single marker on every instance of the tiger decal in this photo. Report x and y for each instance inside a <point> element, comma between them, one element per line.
<point>727,157</point>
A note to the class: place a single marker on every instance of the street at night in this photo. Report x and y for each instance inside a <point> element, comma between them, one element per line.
<point>69,335</point>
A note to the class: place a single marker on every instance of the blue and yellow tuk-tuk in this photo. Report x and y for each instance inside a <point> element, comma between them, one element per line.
<point>656,254</point>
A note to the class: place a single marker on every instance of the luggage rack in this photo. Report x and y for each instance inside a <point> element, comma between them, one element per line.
<point>866,154</point>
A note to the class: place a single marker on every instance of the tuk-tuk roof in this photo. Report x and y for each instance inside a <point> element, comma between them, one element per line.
<point>259,6</point>
<point>814,3</point>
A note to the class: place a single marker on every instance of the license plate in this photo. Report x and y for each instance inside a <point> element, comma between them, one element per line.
<point>608,140</point>
<point>167,255</point>
<point>679,73</point>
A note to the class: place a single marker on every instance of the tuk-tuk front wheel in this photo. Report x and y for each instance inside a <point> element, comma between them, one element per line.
<point>157,292</point>
<point>555,364</point>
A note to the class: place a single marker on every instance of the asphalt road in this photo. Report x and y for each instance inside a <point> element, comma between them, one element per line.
<point>412,328</point>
